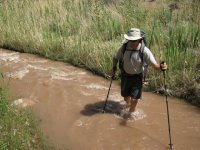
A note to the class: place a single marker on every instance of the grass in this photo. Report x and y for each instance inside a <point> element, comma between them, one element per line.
<point>18,128</point>
<point>88,33</point>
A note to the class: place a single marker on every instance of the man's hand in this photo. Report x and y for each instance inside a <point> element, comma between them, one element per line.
<point>163,66</point>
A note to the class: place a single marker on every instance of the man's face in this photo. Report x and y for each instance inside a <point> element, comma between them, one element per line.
<point>134,44</point>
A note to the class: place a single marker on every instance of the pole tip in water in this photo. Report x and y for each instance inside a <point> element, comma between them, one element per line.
<point>103,111</point>
<point>171,146</point>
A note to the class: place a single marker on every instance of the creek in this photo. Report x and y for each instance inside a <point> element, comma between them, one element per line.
<point>66,99</point>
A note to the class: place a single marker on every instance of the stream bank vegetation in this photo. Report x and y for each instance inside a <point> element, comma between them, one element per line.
<point>87,33</point>
<point>18,127</point>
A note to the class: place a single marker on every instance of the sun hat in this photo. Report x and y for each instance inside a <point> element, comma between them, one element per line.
<point>133,34</point>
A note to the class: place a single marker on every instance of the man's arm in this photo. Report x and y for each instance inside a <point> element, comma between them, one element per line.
<point>115,61</point>
<point>114,68</point>
<point>116,58</point>
<point>150,60</point>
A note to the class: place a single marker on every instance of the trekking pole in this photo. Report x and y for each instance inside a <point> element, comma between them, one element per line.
<point>165,86</point>
<point>107,94</point>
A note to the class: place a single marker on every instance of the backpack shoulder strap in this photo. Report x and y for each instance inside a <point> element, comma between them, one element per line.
<point>141,51</point>
<point>124,48</point>
<point>123,51</point>
<point>122,55</point>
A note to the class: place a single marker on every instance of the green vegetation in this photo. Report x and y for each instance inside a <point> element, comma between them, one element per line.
<point>87,33</point>
<point>18,128</point>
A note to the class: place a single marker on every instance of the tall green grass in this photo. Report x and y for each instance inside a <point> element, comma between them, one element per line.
<point>87,33</point>
<point>18,128</point>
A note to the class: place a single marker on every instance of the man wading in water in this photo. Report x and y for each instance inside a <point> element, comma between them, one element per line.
<point>131,57</point>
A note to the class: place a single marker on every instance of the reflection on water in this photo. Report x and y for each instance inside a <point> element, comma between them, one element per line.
<point>70,100</point>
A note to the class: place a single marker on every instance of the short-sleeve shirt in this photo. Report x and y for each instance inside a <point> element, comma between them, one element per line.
<point>132,62</point>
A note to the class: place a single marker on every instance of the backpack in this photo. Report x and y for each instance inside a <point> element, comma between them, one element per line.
<point>143,44</point>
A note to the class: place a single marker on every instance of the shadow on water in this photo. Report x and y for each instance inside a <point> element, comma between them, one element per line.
<point>112,107</point>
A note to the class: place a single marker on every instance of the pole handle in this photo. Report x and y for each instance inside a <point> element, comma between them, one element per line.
<point>162,63</point>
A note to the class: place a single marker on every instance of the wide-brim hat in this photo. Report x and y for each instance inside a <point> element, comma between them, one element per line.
<point>133,34</point>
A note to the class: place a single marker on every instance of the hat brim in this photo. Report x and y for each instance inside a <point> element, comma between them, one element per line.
<point>130,38</point>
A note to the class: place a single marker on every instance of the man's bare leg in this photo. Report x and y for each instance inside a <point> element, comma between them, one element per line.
<point>128,101</point>
<point>133,105</point>
<point>129,104</point>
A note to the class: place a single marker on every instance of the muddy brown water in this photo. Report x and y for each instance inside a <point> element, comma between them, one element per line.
<point>67,99</point>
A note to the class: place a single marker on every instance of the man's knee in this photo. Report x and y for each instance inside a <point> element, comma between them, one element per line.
<point>127,98</point>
